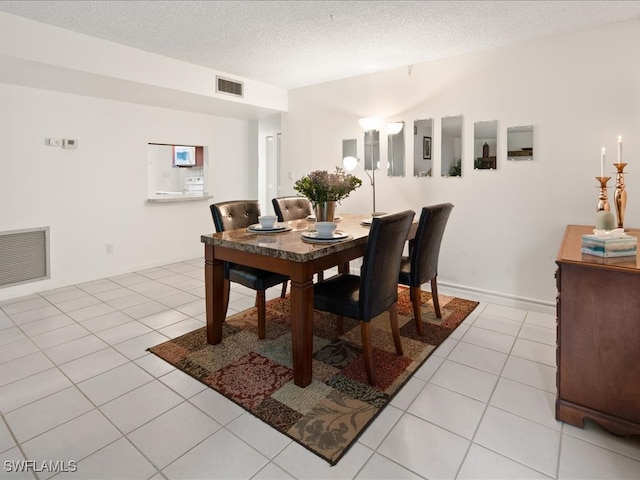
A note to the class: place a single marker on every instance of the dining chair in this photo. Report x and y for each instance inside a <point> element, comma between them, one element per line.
<point>421,265</point>
<point>240,214</point>
<point>291,208</point>
<point>375,290</point>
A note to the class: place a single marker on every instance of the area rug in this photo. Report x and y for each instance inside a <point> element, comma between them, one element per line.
<point>329,415</point>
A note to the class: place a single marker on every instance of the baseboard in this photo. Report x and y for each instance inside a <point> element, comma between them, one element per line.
<point>53,283</point>
<point>480,295</point>
<point>499,298</point>
<point>445,288</point>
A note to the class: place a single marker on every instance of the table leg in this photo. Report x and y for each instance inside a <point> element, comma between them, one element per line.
<point>214,285</point>
<point>302,327</point>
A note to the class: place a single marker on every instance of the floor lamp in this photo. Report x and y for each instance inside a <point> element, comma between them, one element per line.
<point>370,126</point>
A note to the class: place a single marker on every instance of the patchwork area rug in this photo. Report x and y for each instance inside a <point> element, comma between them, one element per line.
<point>330,414</point>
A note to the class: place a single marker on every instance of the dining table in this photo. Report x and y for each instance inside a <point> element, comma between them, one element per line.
<point>292,249</point>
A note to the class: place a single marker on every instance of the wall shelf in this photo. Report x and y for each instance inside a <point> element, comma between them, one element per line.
<point>178,197</point>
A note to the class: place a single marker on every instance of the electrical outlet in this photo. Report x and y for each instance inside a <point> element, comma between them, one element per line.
<point>290,175</point>
<point>109,248</point>
<point>54,142</point>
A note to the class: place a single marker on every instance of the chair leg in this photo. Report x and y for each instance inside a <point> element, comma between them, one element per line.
<point>284,289</point>
<point>225,295</point>
<point>340,325</point>
<point>367,351</point>
<point>417,315</point>
<point>434,294</point>
<point>260,299</point>
<point>393,315</point>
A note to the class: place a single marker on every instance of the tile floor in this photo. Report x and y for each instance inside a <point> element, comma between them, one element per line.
<point>76,384</point>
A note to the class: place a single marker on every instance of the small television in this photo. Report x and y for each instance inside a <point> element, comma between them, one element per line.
<point>184,156</point>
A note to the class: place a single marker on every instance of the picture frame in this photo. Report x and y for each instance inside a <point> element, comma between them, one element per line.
<point>184,156</point>
<point>426,148</point>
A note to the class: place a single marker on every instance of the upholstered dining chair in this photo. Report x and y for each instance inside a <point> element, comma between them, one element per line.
<point>240,214</point>
<point>376,289</point>
<point>421,265</point>
<point>291,208</point>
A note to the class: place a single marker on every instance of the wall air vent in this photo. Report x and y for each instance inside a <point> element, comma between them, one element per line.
<point>224,85</point>
<point>24,256</point>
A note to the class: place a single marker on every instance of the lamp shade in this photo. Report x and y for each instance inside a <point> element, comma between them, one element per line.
<point>370,123</point>
<point>394,127</point>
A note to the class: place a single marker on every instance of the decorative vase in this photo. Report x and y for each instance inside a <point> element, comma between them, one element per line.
<point>604,220</point>
<point>325,211</point>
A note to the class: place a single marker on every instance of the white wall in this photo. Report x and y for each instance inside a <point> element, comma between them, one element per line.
<point>580,92</point>
<point>97,194</point>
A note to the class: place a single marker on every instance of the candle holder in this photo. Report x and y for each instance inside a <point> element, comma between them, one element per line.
<point>620,194</point>
<point>603,203</point>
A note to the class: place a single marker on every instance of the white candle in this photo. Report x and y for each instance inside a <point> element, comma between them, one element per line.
<point>620,149</point>
<point>602,162</point>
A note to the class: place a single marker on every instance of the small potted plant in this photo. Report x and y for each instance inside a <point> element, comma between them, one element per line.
<point>325,189</point>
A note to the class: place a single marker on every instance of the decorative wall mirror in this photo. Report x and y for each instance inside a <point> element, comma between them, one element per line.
<point>422,147</point>
<point>485,145</point>
<point>395,148</point>
<point>349,148</point>
<point>372,149</point>
<point>451,146</point>
<point>520,143</point>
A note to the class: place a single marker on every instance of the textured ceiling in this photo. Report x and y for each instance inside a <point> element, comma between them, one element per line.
<point>291,44</point>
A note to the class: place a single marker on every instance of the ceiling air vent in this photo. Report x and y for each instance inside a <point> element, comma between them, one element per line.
<point>229,86</point>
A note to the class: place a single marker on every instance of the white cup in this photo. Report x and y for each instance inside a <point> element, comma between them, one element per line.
<point>267,221</point>
<point>325,229</point>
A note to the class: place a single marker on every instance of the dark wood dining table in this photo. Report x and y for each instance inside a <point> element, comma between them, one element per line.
<point>287,253</point>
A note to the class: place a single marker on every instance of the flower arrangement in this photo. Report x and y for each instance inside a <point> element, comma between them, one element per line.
<point>321,186</point>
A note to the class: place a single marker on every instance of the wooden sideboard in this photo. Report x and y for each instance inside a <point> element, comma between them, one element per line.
<point>598,337</point>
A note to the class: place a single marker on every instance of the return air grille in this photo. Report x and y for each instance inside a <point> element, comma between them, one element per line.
<point>24,256</point>
<point>228,86</point>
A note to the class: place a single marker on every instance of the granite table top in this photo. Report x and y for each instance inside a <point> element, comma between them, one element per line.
<point>289,245</point>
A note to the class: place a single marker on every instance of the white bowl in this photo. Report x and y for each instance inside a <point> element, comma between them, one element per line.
<point>325,229</point>
<point>267,221</point>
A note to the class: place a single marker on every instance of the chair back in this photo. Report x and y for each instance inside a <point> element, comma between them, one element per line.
<point>291,208</point>
<point>235,214</point>
<point>381,263</point>
<point>426,244</point>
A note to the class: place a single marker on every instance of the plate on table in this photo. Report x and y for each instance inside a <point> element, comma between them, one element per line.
<point>313,237</point>
<point>257,228</point>
<point>312,218</point>
<point>366,222</point>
